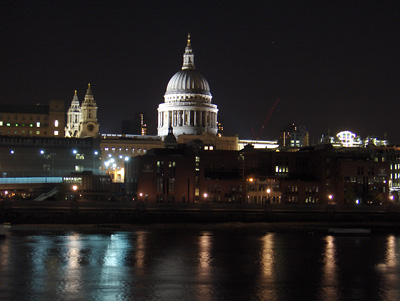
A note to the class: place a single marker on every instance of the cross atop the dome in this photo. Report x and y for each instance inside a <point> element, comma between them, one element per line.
<point>188,39</point>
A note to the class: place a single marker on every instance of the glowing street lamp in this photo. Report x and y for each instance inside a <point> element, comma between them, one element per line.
<point>268,194</point>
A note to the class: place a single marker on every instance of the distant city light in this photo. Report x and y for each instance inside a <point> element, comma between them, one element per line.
<point>74,151</point>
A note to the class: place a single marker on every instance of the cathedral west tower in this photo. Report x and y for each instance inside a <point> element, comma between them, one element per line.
<point>187,106</point>
<point>88,126</point>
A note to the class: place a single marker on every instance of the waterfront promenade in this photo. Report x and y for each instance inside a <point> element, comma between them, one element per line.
<point>90,212</point>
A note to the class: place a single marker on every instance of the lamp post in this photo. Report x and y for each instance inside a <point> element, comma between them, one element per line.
<point>330,197</point>
<point>95,154</point>
<point>75,189</point>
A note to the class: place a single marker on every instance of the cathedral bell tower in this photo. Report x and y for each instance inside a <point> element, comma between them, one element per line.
<point>88,125</point>
<point>73,118</point>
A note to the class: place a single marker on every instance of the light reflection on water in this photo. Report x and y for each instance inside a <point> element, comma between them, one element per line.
<point>196,264</point>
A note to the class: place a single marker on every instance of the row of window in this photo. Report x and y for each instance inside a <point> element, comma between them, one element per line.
<point>21,124</point>
<point>312,200</point>
<point>214,189</point>
<point>394,166</point>
<point>281,169</point>
<point>125,150</point>
<point>371,180</point>
<point>24,117</point>
<point>264,199</point>
<point>23,132</point>
<point>170,185</point>
<point>310,189</point>
<point>291,189</point>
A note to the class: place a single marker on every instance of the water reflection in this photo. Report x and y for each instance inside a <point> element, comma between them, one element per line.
<point>140,250</point>
<point>389,270</point>
<point>267,267</point>
<point>204,251</point>
<point>205,265</point>
<point>73,274</point>
<point>329,287</point>
<point>204,271</point>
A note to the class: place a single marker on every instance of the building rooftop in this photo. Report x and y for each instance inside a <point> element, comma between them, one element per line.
<point>24,109</point>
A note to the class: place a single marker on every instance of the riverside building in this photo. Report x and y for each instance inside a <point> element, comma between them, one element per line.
<point>33,120</point>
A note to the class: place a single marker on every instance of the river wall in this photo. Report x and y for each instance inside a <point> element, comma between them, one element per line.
<point>76,212</point>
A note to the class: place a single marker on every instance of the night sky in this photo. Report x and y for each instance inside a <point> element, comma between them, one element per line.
<point>334,65</point>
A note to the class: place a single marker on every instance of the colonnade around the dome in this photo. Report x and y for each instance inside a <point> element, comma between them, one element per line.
<point>187,117</point>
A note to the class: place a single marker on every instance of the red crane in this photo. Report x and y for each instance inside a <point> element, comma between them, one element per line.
<point>266,120</point>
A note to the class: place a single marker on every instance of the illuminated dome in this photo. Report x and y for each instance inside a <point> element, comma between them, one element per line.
<point>187,106</point>
<point>188,81</point>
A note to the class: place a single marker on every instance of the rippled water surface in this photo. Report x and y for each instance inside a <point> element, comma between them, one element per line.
<point>194,263</point>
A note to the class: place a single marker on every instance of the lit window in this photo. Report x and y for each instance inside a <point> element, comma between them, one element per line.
<point>55,133</point>
<point>8,124</point>
<point>37,132</point>
<point>1,123</point>
<point>38,124</point>
<point>56,124</point>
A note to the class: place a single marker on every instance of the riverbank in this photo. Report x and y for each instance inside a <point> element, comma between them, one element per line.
<point>128,213</point>
<point>308,228</point>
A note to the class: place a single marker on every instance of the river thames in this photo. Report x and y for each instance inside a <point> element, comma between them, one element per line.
<point>196,262</point>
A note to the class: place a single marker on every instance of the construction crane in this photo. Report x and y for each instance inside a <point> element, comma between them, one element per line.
<point>265,121</point>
